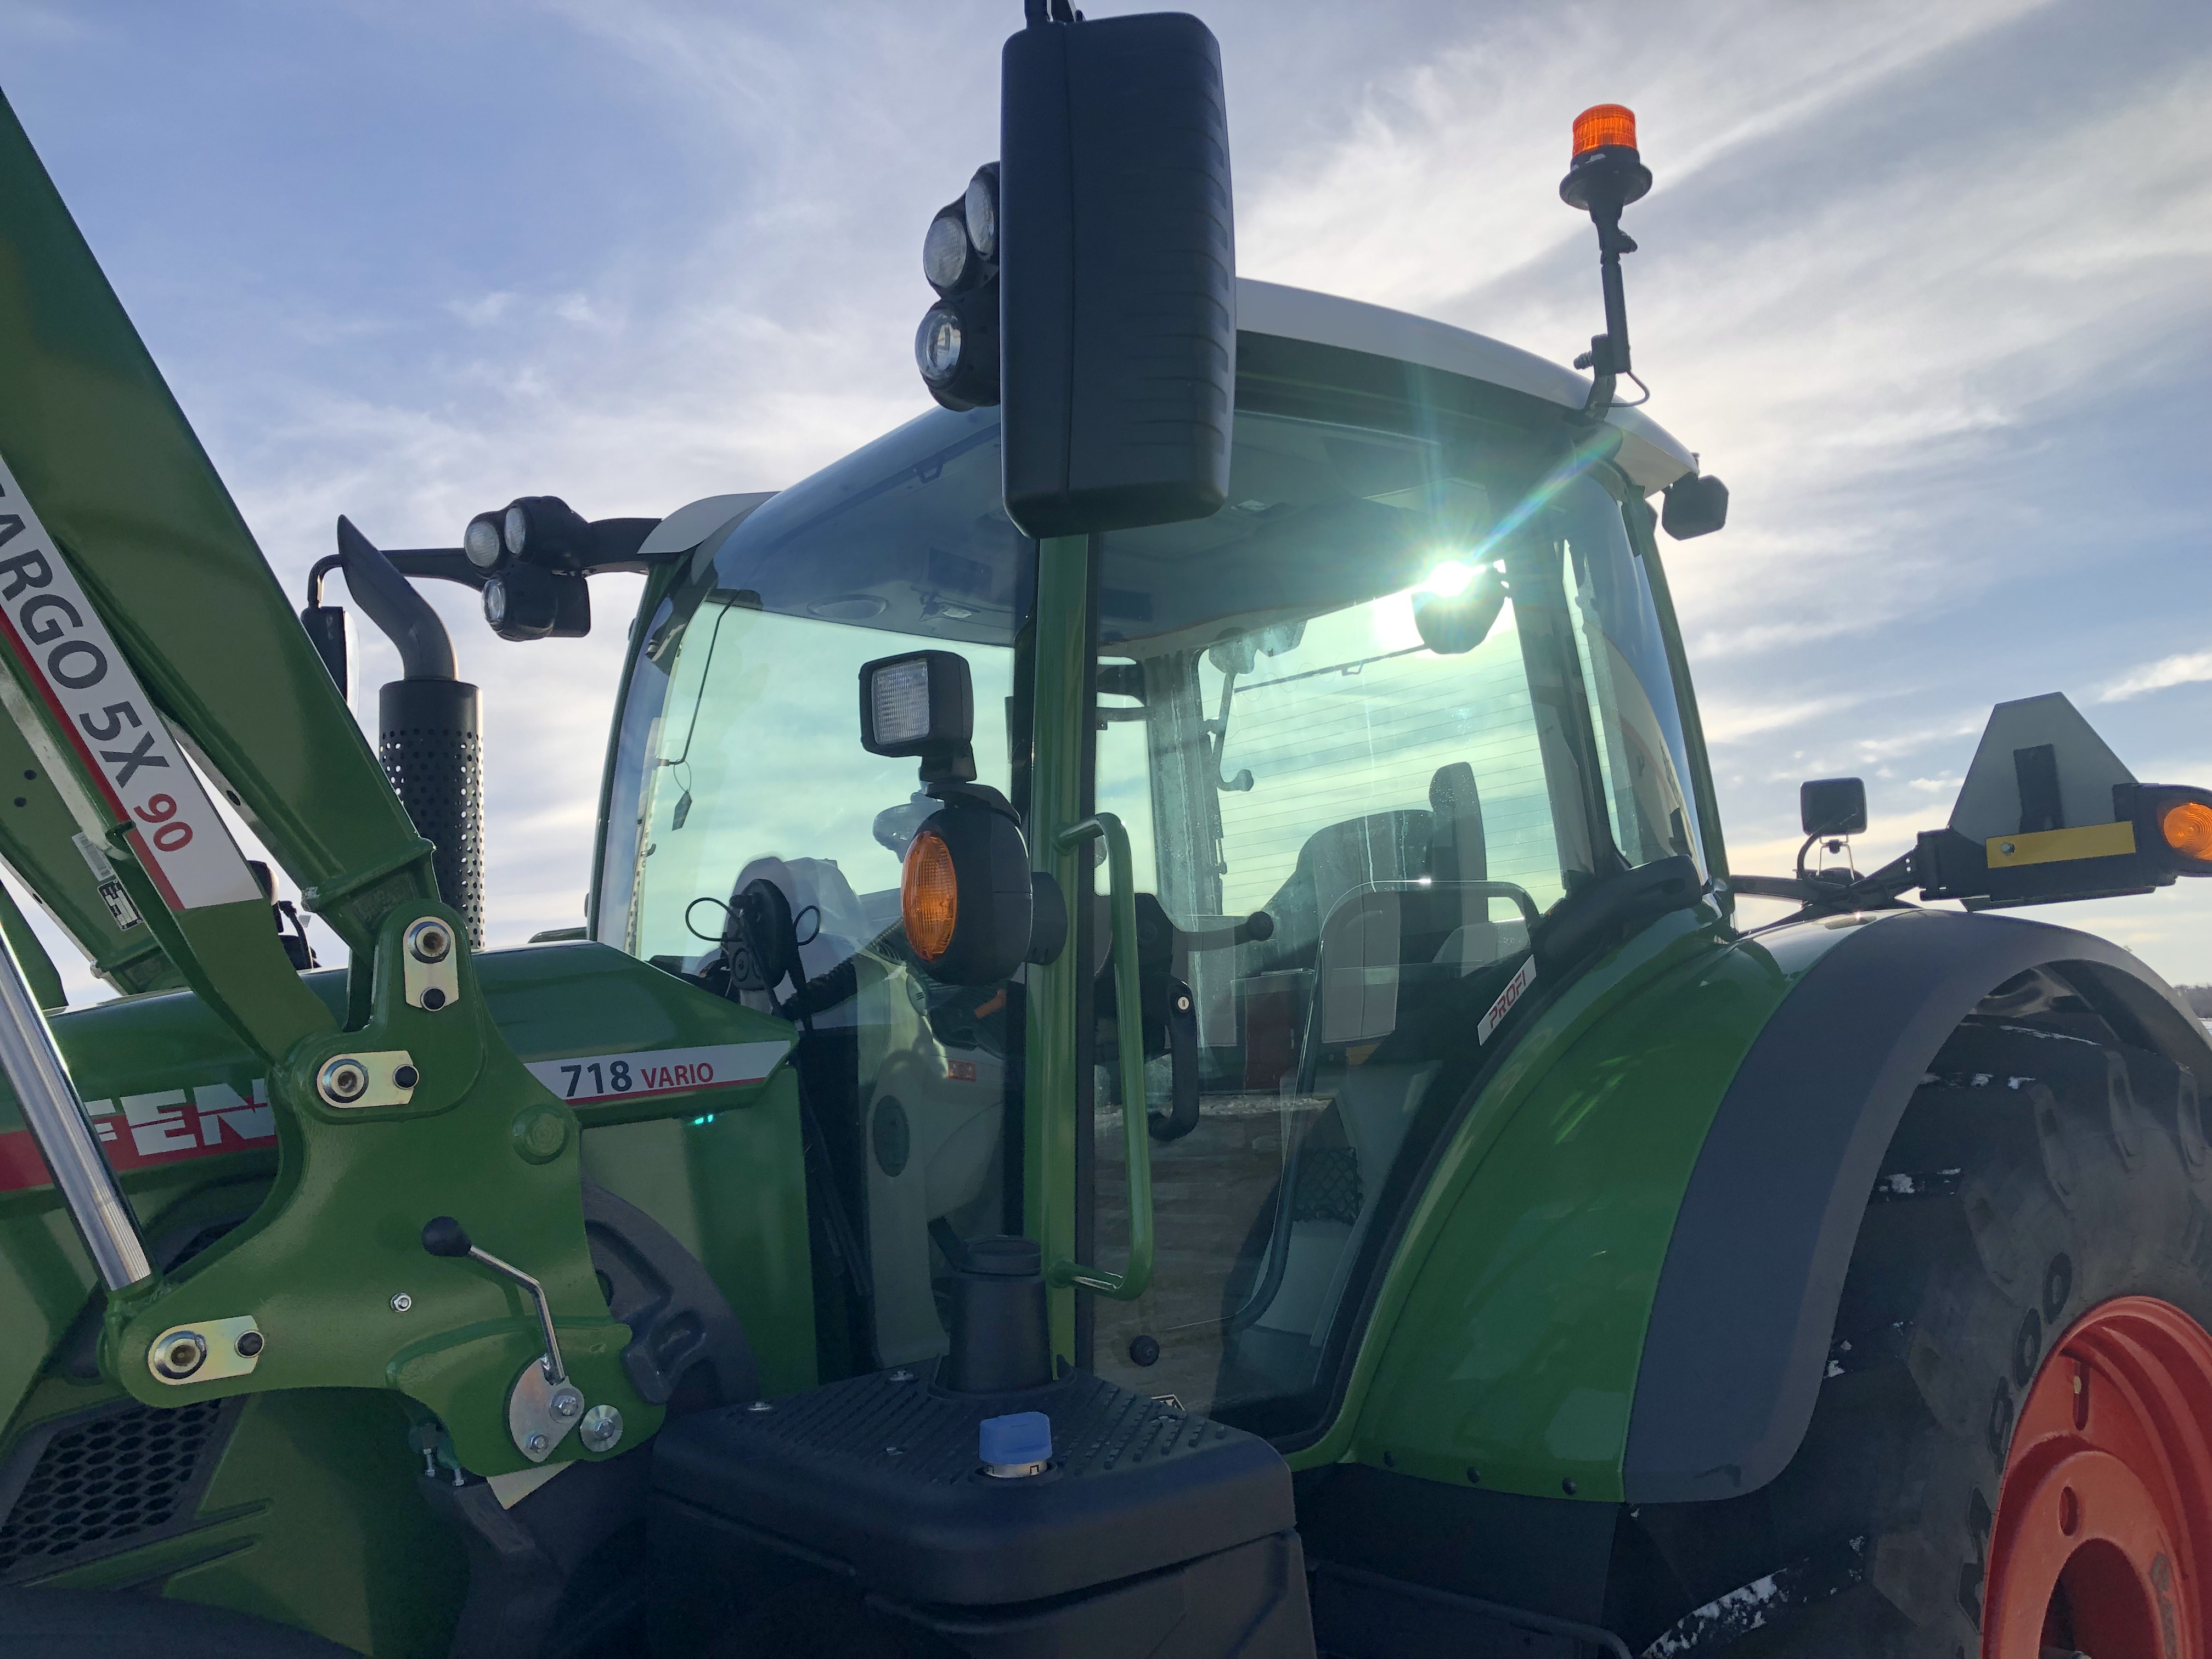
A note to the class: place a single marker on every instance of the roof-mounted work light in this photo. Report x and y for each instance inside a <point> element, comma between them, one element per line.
<point>529,602</point>
<point>483,542</point>
<point>546,531</point>
<point>957,347</point>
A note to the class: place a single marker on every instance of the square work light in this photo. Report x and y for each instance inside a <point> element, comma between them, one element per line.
<point>921,703</point>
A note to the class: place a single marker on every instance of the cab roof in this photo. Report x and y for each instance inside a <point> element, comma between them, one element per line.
<point>1649,454</point>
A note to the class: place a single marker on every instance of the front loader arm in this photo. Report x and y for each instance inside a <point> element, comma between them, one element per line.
<point>144,632</point>
<point>41,840</point>
<point>98,443</point>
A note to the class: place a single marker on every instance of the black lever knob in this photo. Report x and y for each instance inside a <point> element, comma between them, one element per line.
<point>443,1236</point>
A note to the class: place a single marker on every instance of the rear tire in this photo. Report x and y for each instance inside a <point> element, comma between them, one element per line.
<point>2036,1174</point>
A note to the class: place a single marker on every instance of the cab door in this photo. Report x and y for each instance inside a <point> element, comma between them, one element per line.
<point>1363,729</point>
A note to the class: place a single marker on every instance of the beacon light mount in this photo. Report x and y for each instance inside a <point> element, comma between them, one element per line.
<point>1604,175</point>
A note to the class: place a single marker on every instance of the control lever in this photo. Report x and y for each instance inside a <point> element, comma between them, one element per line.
<point>1254,929</point>
<point>1182,1065</point>
<point>443,1236</point>
<point>543,1405</point>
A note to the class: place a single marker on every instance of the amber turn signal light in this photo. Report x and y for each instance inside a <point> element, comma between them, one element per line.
<point>1602,125</point>
<point>2187,827</point>
<point>929,897</point>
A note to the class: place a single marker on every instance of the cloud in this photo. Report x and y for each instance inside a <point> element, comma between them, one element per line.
<point>1913,280</point>
<point>2187,669</point>
<point>1727,723</point>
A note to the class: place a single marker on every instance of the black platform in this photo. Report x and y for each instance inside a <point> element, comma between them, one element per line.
<point>1153,1531</point>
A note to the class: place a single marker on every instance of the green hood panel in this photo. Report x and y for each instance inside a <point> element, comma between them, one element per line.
<point>1511,1323</point>
<point>181,1106</point>
<point>576,1001</point>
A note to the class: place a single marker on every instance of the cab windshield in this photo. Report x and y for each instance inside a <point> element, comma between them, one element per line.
<point>1365,727</point>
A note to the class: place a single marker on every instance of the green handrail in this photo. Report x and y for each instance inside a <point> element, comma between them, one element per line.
<point>1129,1031</point>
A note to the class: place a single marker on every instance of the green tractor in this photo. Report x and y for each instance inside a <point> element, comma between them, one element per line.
<point>1164,1062</point>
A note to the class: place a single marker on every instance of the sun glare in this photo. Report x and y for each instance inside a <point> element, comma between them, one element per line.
<point>1449,579</point>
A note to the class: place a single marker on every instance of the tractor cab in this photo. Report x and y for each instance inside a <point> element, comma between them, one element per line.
<point>1163,1065</point>
<point>1367,726</point>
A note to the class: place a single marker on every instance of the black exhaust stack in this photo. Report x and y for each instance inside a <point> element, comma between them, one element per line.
<point>427,732</point>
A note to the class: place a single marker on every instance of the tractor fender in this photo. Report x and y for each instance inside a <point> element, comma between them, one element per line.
<point>1740,1326</point>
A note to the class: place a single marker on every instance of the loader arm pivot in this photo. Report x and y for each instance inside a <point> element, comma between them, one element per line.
<point>146,640</point>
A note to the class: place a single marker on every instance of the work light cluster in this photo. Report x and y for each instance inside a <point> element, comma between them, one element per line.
<point>957,347</point>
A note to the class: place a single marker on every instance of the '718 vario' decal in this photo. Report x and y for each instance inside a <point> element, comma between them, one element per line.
<point>658,1070</point>
<point>75,668</point>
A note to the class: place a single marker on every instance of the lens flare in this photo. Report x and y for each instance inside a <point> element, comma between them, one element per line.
<point>1533,502</point>
<point>1449,579</point>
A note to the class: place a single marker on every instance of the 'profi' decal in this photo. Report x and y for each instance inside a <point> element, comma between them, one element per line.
<point>1515,988</point>
<point>138,1132</point>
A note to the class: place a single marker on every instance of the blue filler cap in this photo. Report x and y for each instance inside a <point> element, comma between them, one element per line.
<point>1014,1441</point>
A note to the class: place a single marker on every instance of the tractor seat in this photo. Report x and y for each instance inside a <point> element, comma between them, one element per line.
<point>1445,843</point>
<point>1336,860</point>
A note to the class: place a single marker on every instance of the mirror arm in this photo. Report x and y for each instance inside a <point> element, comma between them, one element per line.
<point>1218,731</point>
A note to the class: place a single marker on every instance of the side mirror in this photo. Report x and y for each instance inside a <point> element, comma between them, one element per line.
<point>1452,624</point>
<point>1117,271</point>
<point>922,704</point>
<point>965,893</point>
<point>1832,807</point>
<point>1695,506</point>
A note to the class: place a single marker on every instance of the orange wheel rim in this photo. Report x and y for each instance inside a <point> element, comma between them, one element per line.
<point>2102,1541</point>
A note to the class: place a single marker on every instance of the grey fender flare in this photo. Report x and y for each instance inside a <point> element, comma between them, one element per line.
<point>1741,1320</point>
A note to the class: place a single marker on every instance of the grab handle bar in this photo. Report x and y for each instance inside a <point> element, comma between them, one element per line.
<point>1129,1031</point>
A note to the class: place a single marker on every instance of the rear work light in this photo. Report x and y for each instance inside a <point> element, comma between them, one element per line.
<point>2186,827</point>
<point>2172,824</point>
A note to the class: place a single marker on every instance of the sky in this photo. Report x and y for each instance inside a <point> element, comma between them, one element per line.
<point>1930,287</point>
